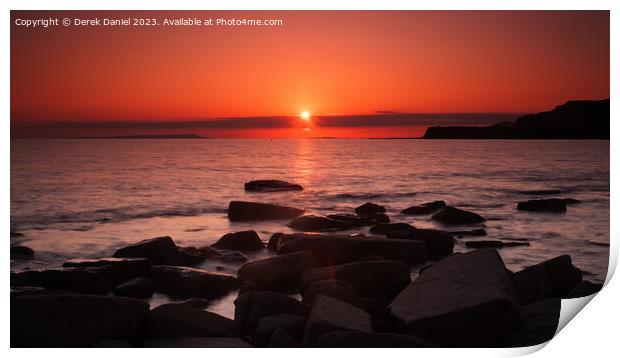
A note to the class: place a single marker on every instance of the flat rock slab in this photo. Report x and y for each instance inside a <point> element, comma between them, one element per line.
<point>320,223</point>
<point>553,278</point>
<point>249,211</point>
<point>271,185</point>
<point>184,282</point>
<point>84,281</point>
<point>114,270</point>
<point>371,279</point>
<point>278,271</point>
<point>73,320</point>
<point>329,314</point>
<point>352,339</point>
<point>180,320</point>
<point>160,250</point>
<point>335,249</point>
<point>465,300</point>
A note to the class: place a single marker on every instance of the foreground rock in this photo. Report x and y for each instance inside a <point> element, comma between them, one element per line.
<point>319,223</point>
<point>196,342</point>
<point>369,209</point>
<point>371,279</point>
<point>160,250</point>
<point>539,322</point>
<point>292,324</point>
<point>438,242</point>
<point>113,270</point>
<point>450,215</point>
<point>271,185</point>
<point>274,240</point>
<point>193,255</point>
<point>335,249</point>
<point>278,271</point>
<point>249,211</point>
<point>462,301</point>
<point>329,314</point>
<point>20,252</point>
<point>251,307</point>
<point>241,240</point>
<point>424,209</point>
<point>179,320</point>
<point>75,280</point>
<point>352,339</point>
<point>583,289</point>
<point>553,278</point>
<point>548,205</point>
<point>140,287</point>
<point>73,320</point>
<point>337,289</point>
<point>184,282</point>
<point>494,244</point>
<point>390,228</point>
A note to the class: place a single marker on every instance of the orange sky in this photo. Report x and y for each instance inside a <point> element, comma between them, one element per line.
<point>328,63</point>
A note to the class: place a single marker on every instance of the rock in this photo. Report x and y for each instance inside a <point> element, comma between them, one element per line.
<point>248,211</point>
<point>16,234</point>
<point>319,223</point>
<point>179,320</point>
<point>282,339</point>
<point>273,241</point>
<point>193,256</point>
<point>278,271</point>
<point>29,290</point>
<point>184,282</point>
<point>474,232</point>
<point>242,240</point>
<point>385,228</point>
<point>196,342</point>
<point>553,278</point>
<point>583,289</point>
<point>450,215</point>
<point>271,185</point>
<point>292,324</point>
<point>247,286</point>
<point>539,322</point>
<point>547,205</point>
<point>233,257</point>
<point>424,209</point>
<point>539,192</point>
<point>464,300</point>
<point>114,270</point>
<point>73,320</point>
<point>361,220</point>
<point>493,244</point>
<point>371,279</point>
<point>369,208</point>
<point>76,280</point>
<point>352,339</point>
<point>571,201</point>
<point>160,250</point>
<point>21,252</point>
<point>196,302</point>
<point>140,287</point>
<point>335,249</point>
<point>329,314</point>
<point>251,307</point>
<point>337,289</point>
<point>438,242</point>
<point>113,343</point>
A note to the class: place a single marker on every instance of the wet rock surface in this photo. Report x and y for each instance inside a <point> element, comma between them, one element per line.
<point>277,272</point>
<point>242,240</point>
<point>21,252</point>
<point>292,324</point>
<point>160,250</point>
<point>553,278</point>
<point>337,289</point>
<point>319,223</point>
<point>75,280</point>
<point>450,215</point>
<point>545,205</point>
<point>250,211</point>
<point>179,320</point>
<point>184,282</point>
<point>271,185</point>
<point>369,209</point>
<point>494,244</point>
<point>424,209</point>
<point>438,242</point>
<point>140,287</point>
<point>251,307</point>
<point>114,270</point>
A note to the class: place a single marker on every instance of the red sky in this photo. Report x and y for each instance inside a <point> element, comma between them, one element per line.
<point>324,62</point>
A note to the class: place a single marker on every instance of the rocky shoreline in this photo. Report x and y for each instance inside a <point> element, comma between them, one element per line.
<point>355,291</point>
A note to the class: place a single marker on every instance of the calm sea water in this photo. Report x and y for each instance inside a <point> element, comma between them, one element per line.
<point>85,198</point>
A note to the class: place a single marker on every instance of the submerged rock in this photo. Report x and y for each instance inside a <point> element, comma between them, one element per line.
<point>494,244</point>
<point>438,242</point>
<point>353,339</point>
<point>241,240</point>
<point>450,215</point>
<point>189,282</point>
<point>337,289</point>
<point>292,324</point>
<point>249,211</point>
<point>319,223</point>
<point>553,278</point>
<point>21,252</point>
<point>140,287</point>
<point>179,320</point>
<point>329,314</point>
<point>424,209</point>
<point>547,205</point>
<point>251,307</point>
<point>271,185</point>
<point>73,320</point>
<point>76,280</point>
<point>465,300</point>
<point>277,272</point>
<point>160,250</point>
<point>369,209</point>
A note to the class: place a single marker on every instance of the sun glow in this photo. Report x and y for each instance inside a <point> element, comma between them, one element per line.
<point>305,115</point>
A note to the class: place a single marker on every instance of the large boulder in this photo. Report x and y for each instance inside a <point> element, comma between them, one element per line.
<point>73,320</point>
<point>329,314</point>
<point>278,271</point>
<point>332,288</point>
<point>583,289</point>
<point>271,185</point>
<point>196,342</point>
<point>140,287</point>
<point>114,270</point>
<point>548,205</point>
<point>76,280</point>
<point>371,279</point>
<point>242,240</point>
<point>353,339</point>
<point>249,211</point>
<point>335,249</point>
<point>369,208</point>
<point>465,300</point>
<point>424,209</point>
<point>450,215</point>
<point>274,240</point>
<point>319,223</point>
<point>390,228</point>
<point>179,320</point>
<point>160,250</point>
<point>539,322</point>
<point>553,278</point>
<point>293,324</point>
<point>183,282</point>
<point>438,242</point>
<point>251,307</point>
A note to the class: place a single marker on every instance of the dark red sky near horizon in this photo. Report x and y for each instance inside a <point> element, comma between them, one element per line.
<point>329,63</point>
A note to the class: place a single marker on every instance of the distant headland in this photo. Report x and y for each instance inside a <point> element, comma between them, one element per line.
<point>571,120</point>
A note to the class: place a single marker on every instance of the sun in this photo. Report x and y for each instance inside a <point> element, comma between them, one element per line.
<point>305,115</point>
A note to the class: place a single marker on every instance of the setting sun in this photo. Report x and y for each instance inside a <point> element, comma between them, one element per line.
<point>305,115</point>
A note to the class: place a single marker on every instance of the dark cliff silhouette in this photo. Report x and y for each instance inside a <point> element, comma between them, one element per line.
<point>571,120</point>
